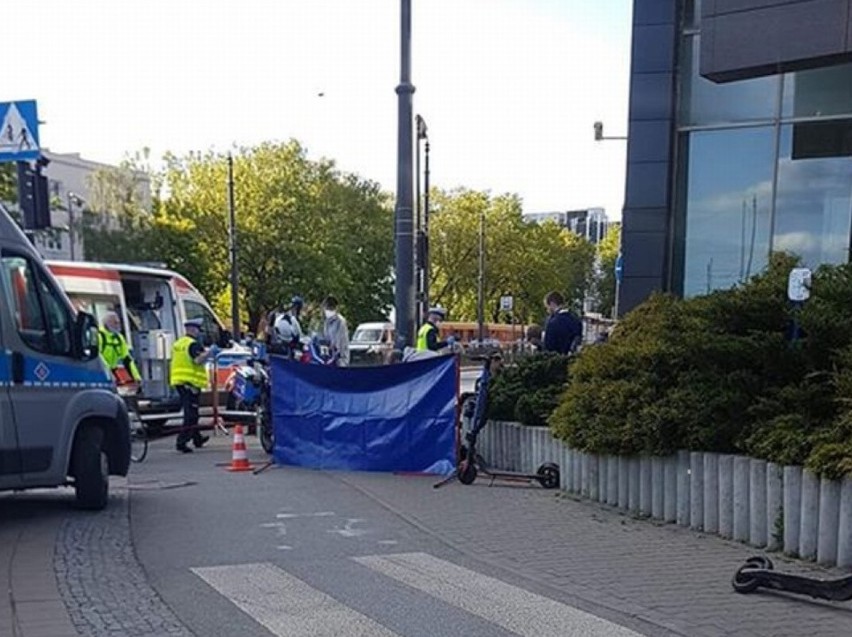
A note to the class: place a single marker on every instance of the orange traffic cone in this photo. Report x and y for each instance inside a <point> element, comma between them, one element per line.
<point>239,459</point>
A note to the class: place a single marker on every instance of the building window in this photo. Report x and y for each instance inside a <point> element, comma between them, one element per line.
<point>818,93</point>
<point>706,103</point>
<point>813,207</point>
<point>728,204</point>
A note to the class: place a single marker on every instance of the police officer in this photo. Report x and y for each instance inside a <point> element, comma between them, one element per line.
<point>427,337</point>
<point>189,377</point>
<point>113,348</point>
<point>287,332</point>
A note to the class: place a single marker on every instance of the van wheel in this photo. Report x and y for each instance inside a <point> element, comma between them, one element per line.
<point>91,469</point>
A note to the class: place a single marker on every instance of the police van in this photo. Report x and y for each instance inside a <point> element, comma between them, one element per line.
<point>61,420</point>
<point>152,302</point>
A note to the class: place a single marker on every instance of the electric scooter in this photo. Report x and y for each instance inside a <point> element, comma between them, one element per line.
<point>471,463</point>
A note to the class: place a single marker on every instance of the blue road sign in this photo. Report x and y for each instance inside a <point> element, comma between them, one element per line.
<point>19,131</point>
<point>619,268</point>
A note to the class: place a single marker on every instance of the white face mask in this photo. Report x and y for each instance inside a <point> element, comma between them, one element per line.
<point>329,313</point>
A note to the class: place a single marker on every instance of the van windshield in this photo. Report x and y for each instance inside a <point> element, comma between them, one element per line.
<point>96,305</point>
<point>367,336</point>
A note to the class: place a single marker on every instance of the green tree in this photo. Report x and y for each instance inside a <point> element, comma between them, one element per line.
<point>522,259</point>
<point>604,284</point>
<point>302,226</point>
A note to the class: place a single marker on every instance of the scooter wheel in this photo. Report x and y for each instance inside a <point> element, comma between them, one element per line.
<point>743,582</point>
<point>761,562</point>
<point>548,475</point>
<point>467,472</point>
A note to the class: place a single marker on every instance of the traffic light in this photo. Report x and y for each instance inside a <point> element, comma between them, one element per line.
<point>598,131</point>
<point>33,196</point>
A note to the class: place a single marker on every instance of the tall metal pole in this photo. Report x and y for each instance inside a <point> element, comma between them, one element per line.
<point>480,310</point>
<point>426,269</point>
<point>232,236</point>
<point>418,232</point>
<point>403,214</point>
<point>71,225</point>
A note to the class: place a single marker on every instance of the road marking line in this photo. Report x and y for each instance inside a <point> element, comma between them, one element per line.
<point>515,609</point>
<point>319,514</point>
<point>287,606</point>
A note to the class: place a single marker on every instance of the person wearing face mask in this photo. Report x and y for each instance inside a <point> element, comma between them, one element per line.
<point>113,348</point>
<point>336,331</point>
<point>427,337</point>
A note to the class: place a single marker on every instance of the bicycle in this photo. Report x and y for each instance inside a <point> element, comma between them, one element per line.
<point>128,390</point>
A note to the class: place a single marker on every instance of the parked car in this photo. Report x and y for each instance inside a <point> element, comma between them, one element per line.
<point>371,343</point>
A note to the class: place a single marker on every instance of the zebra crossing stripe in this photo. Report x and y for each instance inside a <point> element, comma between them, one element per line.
<point>515,609</point>
<point>287,606</point>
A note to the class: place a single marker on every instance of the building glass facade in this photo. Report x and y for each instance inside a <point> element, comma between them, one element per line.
<point>760,165</point>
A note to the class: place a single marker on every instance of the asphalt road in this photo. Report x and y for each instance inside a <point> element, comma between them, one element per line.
<point>297,552</point>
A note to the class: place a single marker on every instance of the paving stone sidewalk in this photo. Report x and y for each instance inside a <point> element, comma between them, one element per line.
<point>664,574</point>
<point>30,602</point>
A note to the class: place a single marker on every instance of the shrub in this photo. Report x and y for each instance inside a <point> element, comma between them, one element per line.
<point>529,391</point>
<point>720,373</point>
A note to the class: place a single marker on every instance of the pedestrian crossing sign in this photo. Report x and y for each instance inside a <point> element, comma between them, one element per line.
<point>19,131</point>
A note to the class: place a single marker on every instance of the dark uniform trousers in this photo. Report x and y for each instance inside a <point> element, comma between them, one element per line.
<point>189,396</point>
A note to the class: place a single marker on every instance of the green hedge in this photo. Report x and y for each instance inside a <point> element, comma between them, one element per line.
<point>721,373</point>
<point>529,391</point>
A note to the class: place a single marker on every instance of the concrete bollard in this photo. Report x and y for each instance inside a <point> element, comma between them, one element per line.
<point>577,459</point>
<point>497,432</point>
<point>507,452</point>
<point>532,457</point>
<point>742,477</point>
<point>658,491</point>
<point>555,447</point>
<point>683,488</point>
<point>593,477</point>
<point>757,503</point>
<point>696,490</point>
<point>603,467</point>
<point>711,492</point>
<point>726,496</point>
<point>633,485</point>
<point>516,447</point>
<point>774,496</point>
<point>564,471</point>
<point>809,527</point>
<point>670,489</point>
<point>645,486</point>
<point>612,480</point>
<point>623,482</point>
<point>844,545</point>
<point>792,509</point>
<point>829,521</point>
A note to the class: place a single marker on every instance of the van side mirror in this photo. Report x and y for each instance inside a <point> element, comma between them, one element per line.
<point>226,339</point>
<point>86,336</point>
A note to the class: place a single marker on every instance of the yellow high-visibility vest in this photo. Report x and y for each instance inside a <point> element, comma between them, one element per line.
<point>422,343</point>
<point>186,371</point>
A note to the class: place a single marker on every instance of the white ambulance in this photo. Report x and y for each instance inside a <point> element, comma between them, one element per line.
<point>153,304</point>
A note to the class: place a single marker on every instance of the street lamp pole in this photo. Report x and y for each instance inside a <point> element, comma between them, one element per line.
<point>232,237</point>
<point>426,269</point>
<point>480,309</point>
<point>403,213</point>
<point>421,269</point>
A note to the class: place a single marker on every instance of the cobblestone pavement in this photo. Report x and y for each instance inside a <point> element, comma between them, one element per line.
<point>664,574</point>
<point>101,582</point>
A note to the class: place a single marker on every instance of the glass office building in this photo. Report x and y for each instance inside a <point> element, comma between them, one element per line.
<point>722,174</point>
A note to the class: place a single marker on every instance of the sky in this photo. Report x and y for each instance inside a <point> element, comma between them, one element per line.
<point>509,89</point>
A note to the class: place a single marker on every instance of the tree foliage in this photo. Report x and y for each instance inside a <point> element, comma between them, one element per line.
<point>603,289</point>
<point>525,260</point>
<point>723,373</point>
<point>303,227</point>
